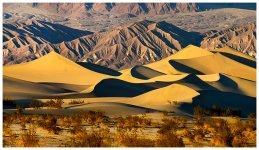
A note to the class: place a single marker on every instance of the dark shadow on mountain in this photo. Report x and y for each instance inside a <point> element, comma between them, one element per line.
<point>99,69</point>
<point>239,59</point>
<point>144,73</point>
<point>183,68</point>
<point>54,33</point>
<point>119,88</point>
<point>193,38</point>
<point>208,98</point>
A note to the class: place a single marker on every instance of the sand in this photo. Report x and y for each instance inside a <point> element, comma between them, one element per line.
<point>191,77</point>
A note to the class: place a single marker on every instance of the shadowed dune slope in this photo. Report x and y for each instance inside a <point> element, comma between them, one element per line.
<point>71,87</point>
<point>53,68</point>
<point>19,89</point>
<point>119,88</point>
<point>143,72</point>
<point>99,69</point>
<point>237,56</point>
<point>209,98</point>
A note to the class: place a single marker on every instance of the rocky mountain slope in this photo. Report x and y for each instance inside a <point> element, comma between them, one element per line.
<point>82,9</point>
<point>118,48</point>
<point>241,38</point>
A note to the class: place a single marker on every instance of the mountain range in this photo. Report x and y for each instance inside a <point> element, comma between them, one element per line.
<point>118,48</point>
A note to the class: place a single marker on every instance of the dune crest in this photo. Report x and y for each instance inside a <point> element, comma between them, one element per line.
<point>54,68</point>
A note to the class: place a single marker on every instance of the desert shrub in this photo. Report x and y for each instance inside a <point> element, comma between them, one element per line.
<point>19,109</point>
<point>8,120</point>
<point>198,112</point>
<point>221,132</point>
<point>94,117</point>
<point>239,141</point>
<point>224,134</point>
<point>12,137</point>
<point>167,133</point>
<point>54,103</point>
<point>29,137</point>
<point>74,101</point>
<point>171,124</point>
<point>76,122</point>
<point>130,128</point>
<point>50,124</point>
<point>252,121</point>
<point>133,139</point>
<point>36,104</point>
<point>216,110</point>
<point>66,122</point>
<point>96,137</point>
<point>165,113</point>
<point>169,139</point>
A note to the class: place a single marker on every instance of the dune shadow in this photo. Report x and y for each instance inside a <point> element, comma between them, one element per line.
<point>144,73</point>
<point>183,68</point>
<point>241,60</point>
<point>226,81</point>
<point>99,69</point>
<point>119,88</point>
<point>208,98</point>
<point>195,83</point>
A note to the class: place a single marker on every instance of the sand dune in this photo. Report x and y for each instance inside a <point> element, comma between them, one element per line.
<point>142,72</point>
<point>191,77</point>
<point>237,56</point>
<point>71,87</point>
<point>19,89</point>
<point>54,68</point>
<point>229,50</point>
<point>165,96</point>
<point>218,63</point>
<point>188,52</point>
<point>119,88</point>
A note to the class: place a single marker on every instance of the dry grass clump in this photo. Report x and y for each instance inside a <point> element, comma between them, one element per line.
<point>36,104</point>
<point>169,139</point>
<point>19,109</point>
<point>133,139</point>
<point>215,110</point>
<point>167,136</point>
<point>74,101</point>
<point>49,122</point>
<point>94,117</point>
<point>171,124</point>
<point>96,137</point>
<point>54,103</point>
<point>29,137</point>
<point>238,134</point>
<point>131,122</point>
<point>129,131</point>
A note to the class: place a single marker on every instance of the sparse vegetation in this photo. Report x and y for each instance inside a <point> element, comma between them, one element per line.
<point>74,101</point>
<point>19,109</point>
<point>29,137</point>
<point>94,129</point>
<point>96,137</point>
<point>49,122</point>
<point>54,103</point>
<point>36,104</point>
<point>216,110</point>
